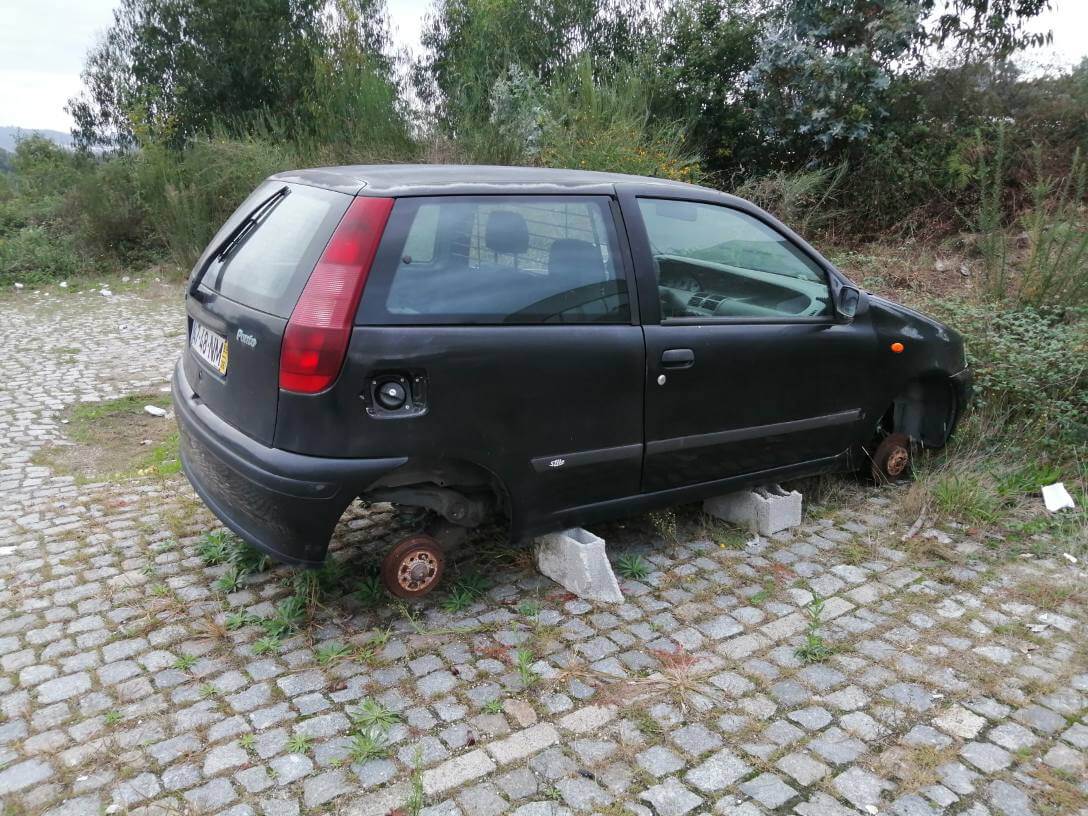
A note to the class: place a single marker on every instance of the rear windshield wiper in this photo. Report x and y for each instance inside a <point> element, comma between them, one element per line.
<point>233,239</point>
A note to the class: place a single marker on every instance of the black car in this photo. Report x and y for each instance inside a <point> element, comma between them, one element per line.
<point>558,346</point>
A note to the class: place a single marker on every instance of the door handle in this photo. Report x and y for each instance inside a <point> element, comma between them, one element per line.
<point>677,358</point>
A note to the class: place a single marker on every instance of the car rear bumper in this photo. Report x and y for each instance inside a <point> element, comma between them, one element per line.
<point>285,504</point>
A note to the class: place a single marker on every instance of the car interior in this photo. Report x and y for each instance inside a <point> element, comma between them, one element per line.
<point>512,273</point>
<point>690,287</point>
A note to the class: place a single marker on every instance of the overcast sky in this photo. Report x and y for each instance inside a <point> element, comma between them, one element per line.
<point>43,44</point>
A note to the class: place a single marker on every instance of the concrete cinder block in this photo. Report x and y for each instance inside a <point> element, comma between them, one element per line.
<point>575,559</point>
<point>766,510</point>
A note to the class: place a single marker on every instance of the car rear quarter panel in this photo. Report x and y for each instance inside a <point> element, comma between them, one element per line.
<point>498,397</point>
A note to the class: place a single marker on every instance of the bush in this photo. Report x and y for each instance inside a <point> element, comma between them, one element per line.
<point>108,205</point>
<point>32,255</point>
<point>804,201</point>
<point>188,195</point>
<point>1028,364</point>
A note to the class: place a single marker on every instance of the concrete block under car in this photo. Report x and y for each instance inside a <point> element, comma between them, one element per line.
<point>766,510</point>
<point>575,559</point>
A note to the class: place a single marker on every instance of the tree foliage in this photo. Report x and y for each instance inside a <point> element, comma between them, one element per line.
<point>168,69</point>
<point>825,71</point>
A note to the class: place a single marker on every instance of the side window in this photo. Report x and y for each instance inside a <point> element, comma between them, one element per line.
<point>713,261</point>
<point>499,259</point>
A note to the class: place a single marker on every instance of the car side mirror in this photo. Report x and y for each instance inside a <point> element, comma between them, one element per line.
<point>846,303</point>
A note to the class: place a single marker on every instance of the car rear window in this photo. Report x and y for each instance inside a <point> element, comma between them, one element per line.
<point>268,270</point>
<point>498,259</point>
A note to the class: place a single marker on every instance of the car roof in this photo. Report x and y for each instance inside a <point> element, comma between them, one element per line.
<point>465,179</point>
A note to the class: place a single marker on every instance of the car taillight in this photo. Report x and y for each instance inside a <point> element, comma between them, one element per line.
<point>317,334</point>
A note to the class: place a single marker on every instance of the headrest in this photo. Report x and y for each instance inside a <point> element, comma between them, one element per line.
<point>571,256</point>
<point>507,233</point>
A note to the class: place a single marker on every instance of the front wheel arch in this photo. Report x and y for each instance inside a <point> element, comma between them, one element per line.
<point>926,410</point>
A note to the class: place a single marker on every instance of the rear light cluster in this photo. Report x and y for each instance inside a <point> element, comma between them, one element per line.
<point>317,335</point>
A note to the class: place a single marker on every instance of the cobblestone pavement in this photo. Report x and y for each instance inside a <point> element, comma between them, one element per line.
<point>134,678</point>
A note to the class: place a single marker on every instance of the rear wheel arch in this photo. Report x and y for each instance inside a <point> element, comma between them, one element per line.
<point>430,482</point>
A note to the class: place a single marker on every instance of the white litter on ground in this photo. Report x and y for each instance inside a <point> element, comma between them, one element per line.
<point>1056,497</point>
<point>154,410</point>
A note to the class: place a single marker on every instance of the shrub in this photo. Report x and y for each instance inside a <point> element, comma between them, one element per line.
<point>596,125</point>
<point>1028,363</point>
<point>108,206</point>
<point>32,255</point>
<point>188,195</point>
<point>1052,266</point>
<point>802,200</point>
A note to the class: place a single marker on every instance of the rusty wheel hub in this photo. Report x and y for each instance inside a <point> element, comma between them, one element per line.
<point>897,462</point>
<point>416,570</point>
<point>413,567</point>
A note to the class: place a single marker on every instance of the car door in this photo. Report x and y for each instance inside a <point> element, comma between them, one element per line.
<point>514,315</point>
<point>748,368</point>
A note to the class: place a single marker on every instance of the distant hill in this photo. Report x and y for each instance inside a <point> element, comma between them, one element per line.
<point>10,135</point>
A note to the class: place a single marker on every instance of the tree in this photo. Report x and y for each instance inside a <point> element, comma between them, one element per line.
<point>472,44</point>
<point>707,48</point>
<point>168,69</point>
<point>826,68</point>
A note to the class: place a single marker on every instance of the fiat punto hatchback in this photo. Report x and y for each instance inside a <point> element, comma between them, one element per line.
<point>559,347</point>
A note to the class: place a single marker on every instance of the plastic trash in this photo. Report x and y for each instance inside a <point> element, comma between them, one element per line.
<point>154,410</point>
<point>1056,497</point>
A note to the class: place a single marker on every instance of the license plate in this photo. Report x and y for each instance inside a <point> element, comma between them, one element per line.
<point>210,346</point>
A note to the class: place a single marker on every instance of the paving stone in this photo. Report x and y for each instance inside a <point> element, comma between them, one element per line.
<point>913,696</point>
<point>457,771</point>
<point>211,796</point>
<point>223,757</point>
<point>523,743</point>
<point>960,722</point>
<point>24,774</point>
<point>583,794</point>
<point>812,718</point>
<point>696,739</point>
<point>986,756</point>
<point>671,798</point>
<point>1012,736</point>
<point>769,790</point>
<point>482,800</point>
<point>317,790</point>
<point>1040,719</point>
<point>836,746</point>
<point>802,768</point>
<point>1066,759</point>
<point>1008,799</point>
<point>718,771</point>
<point>861,788</point>
<point>659,761</point>
<point>519,783</point>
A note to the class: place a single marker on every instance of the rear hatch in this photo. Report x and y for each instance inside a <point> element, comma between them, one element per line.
<point>238,314</point>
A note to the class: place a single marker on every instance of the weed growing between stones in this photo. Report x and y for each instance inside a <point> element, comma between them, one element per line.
<point>633,566</point>
<point>417,798</point>
<point>815,649</point>
<point>523,662</point>
<point>298,744</point>
<point>371,715</point>
<point>666,525</point>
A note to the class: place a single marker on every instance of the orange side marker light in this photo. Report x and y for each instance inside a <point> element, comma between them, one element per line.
<point>897,347</point>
